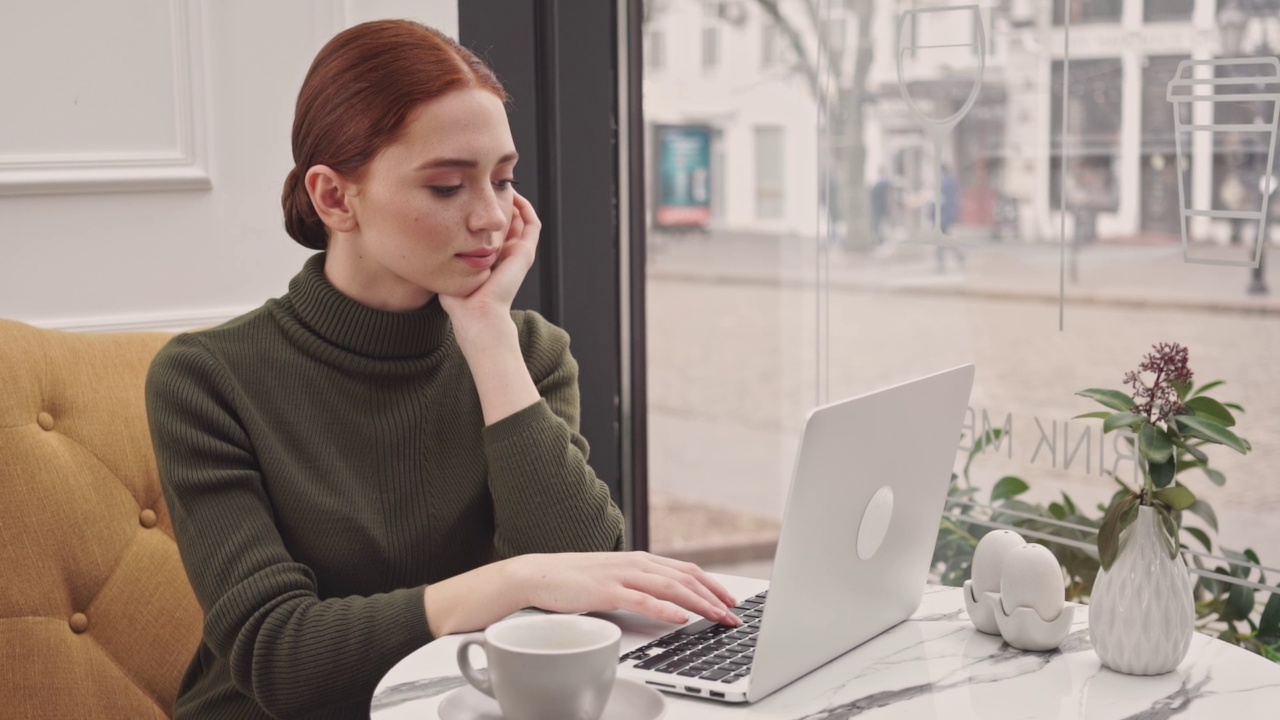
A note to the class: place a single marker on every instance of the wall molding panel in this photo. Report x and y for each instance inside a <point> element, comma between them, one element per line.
<point>165,168</point>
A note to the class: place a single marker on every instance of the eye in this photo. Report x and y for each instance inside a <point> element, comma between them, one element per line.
<point>445,190</point>
<point>505,184</point>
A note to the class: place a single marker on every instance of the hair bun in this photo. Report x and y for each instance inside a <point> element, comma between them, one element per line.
<point>300,218</point>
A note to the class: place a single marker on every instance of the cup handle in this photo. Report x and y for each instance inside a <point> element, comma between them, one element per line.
<point>479,679</point>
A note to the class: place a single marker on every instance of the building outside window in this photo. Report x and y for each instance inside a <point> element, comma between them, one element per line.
<point>1092,145</point>
<point>770,45</point>
<point>656,51</point>
<point>710,47</point>
<point>1090,11</point>
<point>1159,160</point>
<point>770,173</point>
<point>1167,10</point>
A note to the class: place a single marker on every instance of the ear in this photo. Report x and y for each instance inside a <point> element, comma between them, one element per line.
<point>329,192</point>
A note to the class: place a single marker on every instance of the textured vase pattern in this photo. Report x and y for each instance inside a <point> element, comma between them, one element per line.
<point>1142,614</point>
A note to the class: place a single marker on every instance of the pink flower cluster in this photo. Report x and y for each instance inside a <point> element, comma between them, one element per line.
<point>1159,400</point>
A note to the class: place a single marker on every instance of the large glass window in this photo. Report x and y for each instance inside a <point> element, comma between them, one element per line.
<point>1071,248</point>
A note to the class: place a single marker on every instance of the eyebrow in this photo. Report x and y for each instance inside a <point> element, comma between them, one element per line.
<point>463,163</point>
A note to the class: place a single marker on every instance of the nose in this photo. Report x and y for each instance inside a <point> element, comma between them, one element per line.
<point>489,214</point>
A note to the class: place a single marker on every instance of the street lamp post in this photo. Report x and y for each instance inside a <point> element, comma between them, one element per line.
<point>1233,22</point>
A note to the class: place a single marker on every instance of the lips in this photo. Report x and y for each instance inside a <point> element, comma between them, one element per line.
<point>479,259</point>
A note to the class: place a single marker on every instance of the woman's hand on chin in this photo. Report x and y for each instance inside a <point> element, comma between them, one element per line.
<point>489,305</point>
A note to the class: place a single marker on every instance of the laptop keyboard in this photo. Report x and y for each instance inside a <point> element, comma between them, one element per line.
<point>706,649</point>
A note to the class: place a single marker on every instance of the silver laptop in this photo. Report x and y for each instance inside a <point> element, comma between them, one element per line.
<point>862,515</point>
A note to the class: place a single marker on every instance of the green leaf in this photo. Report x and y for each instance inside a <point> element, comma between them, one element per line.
<point>1235,557</point>
<point>1057,511</point>
<point>1170,534</point>
<point>1109,533</point>
<point>1253,558</point>
<point>1211,585</point>
<point>1205,512</point>
<point>1162,473</point>
<point>1269,626</point>
<point>1234,406</point>
<point>1121,419</point>
<point>1207,407</point>
<point>988,437</point>
<point>1240,602</point>
<point>1215,477</point>
<point>1177,498</point>
<point>1069,504</point>
<point>1113,399</point>
<point>1100,415</point>
<point>1200,535</point>
<point>1008,487</point>
<point>1207,387</point>
<point>1156,445</point>
<point>1182,386</point>
<point>1211,431</point>
<point>1195,452</point>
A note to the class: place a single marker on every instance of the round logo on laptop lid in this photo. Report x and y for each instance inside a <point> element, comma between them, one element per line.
<point>875,522</point>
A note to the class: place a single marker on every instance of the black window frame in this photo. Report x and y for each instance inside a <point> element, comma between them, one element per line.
<point>566,64</point>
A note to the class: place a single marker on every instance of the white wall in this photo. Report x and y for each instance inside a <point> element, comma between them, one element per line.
<point>142,161</point>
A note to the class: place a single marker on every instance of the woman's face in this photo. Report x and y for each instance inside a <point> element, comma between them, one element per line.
<point>433,208</point>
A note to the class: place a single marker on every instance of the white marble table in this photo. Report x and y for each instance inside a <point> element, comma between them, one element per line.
<point>935,665</point>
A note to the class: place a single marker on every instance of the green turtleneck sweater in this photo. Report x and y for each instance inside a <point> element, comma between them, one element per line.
<point>323,462</point>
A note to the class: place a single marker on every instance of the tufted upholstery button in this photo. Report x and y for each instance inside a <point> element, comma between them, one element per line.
<point>79,623</point>
<point>148,518</point>
<point>45,420</point>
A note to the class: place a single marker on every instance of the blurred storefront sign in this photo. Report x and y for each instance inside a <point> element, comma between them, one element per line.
<point>683,176</point>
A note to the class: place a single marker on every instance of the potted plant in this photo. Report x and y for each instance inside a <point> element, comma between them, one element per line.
<point>1142,611</point>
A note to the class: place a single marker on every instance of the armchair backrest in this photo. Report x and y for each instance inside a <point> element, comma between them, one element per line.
<point>97,617</point>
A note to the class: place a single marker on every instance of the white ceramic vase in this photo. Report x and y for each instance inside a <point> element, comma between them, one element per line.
<point>1142,612</point>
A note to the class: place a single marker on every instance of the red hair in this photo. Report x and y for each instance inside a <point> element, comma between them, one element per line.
<point>360,90</point>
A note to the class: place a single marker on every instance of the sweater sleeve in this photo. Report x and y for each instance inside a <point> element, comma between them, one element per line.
<point>546,497</point>
<point>290,651</point>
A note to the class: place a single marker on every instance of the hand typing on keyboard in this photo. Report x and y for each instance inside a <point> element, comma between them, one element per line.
<point>640,582</point>
<point>704,649</point>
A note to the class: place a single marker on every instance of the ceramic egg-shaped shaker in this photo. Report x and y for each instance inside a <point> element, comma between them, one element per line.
<point>989,559</point>
<point>1032,578</point>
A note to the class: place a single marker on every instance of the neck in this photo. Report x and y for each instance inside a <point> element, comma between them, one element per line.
<point>358,276</point>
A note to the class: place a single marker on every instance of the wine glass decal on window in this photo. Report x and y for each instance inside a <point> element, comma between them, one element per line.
<point>1253,86</point>
<point>939,128</point>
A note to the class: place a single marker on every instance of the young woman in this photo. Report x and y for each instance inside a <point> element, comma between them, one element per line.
<point>388,453</point>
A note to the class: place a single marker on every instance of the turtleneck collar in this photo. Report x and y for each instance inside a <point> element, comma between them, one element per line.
<point>360,328</point>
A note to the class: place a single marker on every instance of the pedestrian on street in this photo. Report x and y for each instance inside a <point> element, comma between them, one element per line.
<point>949,214</point>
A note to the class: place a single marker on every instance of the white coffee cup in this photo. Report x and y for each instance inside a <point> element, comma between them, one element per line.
<point>546,667</point>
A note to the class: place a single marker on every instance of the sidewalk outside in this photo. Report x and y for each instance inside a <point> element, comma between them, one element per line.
<point>1137,272</point>
<point>1138,276</point>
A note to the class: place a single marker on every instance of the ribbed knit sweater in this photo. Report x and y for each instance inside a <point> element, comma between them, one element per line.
<point>323,462</point>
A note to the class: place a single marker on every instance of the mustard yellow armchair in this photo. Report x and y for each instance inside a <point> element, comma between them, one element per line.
<point>97,618</point>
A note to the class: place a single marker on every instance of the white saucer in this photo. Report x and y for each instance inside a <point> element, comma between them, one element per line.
<point>629,701</point>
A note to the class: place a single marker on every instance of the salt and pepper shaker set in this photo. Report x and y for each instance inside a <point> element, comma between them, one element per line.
<point>1017,592</point>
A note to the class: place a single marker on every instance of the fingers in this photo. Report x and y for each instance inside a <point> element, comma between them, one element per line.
<point>527,214</point>
<point>701,575</point>
<point>645,604</point>
<point>673,591</point>
<point>721,610</point>
<point>516,229</point>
